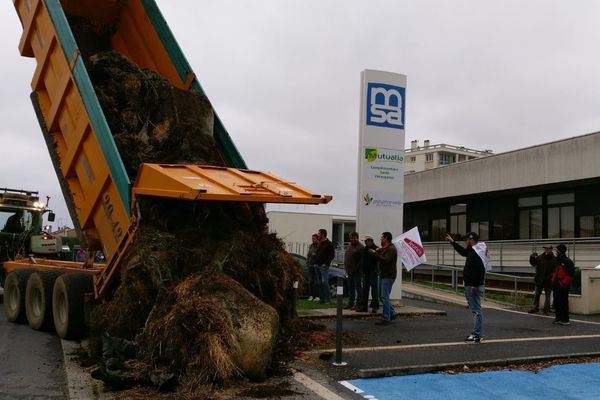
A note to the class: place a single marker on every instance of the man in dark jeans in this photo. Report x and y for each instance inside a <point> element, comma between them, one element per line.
<point>353,265</point>
<point>325,255</point>
<point>314,275</point>
<point>561,284</point>
<point>544,266</point>
<point>474,280</point>
<point>370,277</point>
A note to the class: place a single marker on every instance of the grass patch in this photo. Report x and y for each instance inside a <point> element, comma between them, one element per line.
<point>304,304</point>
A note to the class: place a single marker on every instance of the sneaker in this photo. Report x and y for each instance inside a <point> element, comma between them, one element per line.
<point>316,299</point>
<point>556,321</point>
<point>563,323</point>
<point>533,311</point>
<point>310,298</point>
<point>473,339</point>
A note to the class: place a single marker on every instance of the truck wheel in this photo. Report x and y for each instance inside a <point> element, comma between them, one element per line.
<point>38,298</point>
<point>68,304</point>
<point>15,287</point>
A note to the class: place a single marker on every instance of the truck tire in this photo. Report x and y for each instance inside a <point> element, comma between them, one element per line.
<point>15,287</point>
<point>68,304</point>
<point>38,299</point>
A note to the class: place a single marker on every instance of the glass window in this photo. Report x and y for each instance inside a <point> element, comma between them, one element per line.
<point>429,157</point>
<point>438,229</point>
<point>530,224</point>
<point>530,201</point>
<point>446,159</point>
<point>589,226</point>
<point>561,198</point>
<point>461,157</point>
<point>458,208</point>
<point>412,158</point>
<point>482,229</point>
<point>20,221</point>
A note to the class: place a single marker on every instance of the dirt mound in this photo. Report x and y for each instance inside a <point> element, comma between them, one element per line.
<point>203,287</point>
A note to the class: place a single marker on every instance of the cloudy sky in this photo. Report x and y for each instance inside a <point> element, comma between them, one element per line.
<point>284,76</point>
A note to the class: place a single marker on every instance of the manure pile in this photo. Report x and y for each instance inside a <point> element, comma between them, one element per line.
<point>202,291</point>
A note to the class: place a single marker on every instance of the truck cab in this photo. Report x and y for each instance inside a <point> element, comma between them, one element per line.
<point>21,221</point>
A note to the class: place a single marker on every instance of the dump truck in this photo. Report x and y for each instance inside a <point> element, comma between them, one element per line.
<point>101,198</point>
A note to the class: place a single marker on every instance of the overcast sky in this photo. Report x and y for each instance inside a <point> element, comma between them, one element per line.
<point>284,76</point>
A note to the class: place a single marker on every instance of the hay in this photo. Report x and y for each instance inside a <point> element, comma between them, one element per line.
<point>197,274</point>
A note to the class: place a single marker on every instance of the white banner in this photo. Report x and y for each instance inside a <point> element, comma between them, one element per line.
<point>410,248</point>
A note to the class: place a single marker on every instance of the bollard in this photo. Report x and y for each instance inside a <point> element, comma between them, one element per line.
<point>294,299</point>
<point>338,326</point>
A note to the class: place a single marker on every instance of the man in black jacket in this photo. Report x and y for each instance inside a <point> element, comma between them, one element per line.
<point>474,281</point>
<point>544,266</point>
<point>370,277</point>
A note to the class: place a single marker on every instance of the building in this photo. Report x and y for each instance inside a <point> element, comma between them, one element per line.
<point>426,157</point>
<point>549,191</point>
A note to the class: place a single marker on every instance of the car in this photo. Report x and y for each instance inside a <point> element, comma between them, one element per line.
<point>335,272</point>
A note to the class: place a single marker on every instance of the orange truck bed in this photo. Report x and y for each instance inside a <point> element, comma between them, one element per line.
<point>97,190</point>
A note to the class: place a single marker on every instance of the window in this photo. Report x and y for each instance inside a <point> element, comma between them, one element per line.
<point>530,217</point>
<point>412,159</point>
<point>458,219</point>
<point>482,229</point>
<point>589,226</point>
<point>438,229</point>
<point>561,215</point>
<point>446,159</point>
<point>429,157</point>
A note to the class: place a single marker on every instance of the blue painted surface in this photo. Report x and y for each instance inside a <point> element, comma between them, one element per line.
<point>572,381</point>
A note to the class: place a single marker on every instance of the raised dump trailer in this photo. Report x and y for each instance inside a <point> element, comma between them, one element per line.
<point>100,197</point>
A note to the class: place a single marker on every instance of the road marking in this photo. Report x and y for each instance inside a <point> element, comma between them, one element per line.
<point>449,344</point>
<point>316,387</point>
<point>580,321</point>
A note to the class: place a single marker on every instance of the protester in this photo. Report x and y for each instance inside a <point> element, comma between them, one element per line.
<point>474,281</point>
<point>325,254</point>
<point>387,257</point>
<point>370,278</point>
<point>544,266</point>
<point>561,284</point>
<point>314,275</point>
<point>353,265</point>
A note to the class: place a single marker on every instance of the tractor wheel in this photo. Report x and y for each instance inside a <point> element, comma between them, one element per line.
<point>15,287</point>
<point>68,304</point>
<point>38,298</point>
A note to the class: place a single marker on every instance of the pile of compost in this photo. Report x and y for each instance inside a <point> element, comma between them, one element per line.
<point>204,288</point>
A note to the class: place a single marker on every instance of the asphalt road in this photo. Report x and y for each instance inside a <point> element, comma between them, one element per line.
<point>31,363</point>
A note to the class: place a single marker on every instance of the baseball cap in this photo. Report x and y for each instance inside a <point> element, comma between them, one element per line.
<point>471,235</point>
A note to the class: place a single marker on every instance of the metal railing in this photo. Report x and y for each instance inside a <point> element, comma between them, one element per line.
<point>448,278</point>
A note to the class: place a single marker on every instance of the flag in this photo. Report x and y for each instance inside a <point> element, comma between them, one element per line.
<point>482,251</point>
<point>410,248</point>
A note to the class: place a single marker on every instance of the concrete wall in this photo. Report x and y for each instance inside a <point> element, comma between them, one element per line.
<point>565,160</point>
<point>589,300</point>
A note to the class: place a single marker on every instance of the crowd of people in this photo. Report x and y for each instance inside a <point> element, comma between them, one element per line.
<point>371,272</point>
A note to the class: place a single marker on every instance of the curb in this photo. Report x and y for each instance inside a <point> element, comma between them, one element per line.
<point>432,368</point>
<point>80,384</point>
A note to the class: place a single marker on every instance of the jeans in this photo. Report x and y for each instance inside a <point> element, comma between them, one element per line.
<point>325,294</point>
<point>314,281</point>
<point>547,288</point>
<point>385,289</point>
<point>474,300</point>
<point>370,281</point>
<point>354,289</point>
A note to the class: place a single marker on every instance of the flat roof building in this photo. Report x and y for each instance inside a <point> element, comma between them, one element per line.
<point>426,157</point>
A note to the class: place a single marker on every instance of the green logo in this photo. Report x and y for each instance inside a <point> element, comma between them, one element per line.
<point>367,199</point>
<point>371,154</point>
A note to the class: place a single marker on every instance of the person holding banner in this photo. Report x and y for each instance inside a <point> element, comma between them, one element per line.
<point>387,256</point>
<point>476,263</point>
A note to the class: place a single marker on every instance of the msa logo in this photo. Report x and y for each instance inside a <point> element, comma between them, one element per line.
<point>385,105</point>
